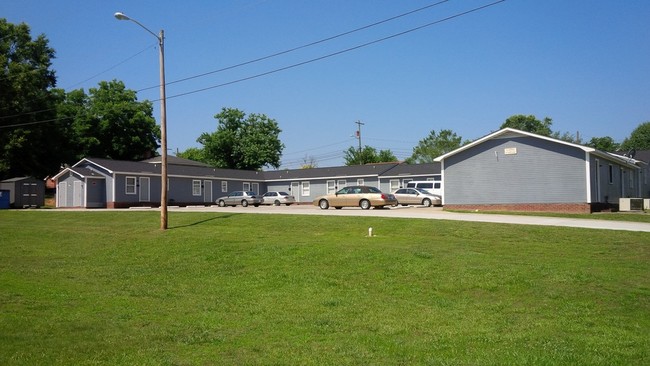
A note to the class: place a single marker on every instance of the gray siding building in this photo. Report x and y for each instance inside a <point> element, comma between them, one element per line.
<point>517,170</point>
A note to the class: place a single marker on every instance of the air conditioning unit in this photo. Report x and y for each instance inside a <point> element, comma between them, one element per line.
<point>630,204</point>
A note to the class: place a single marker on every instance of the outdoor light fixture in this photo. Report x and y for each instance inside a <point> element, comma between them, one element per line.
<point>163,120</point>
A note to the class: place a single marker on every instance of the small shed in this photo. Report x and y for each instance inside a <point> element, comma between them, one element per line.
<point>24,191</point>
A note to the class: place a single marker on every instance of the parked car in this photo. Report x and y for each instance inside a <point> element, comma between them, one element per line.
<point>278,198</point>
<point>416,196</point>
<point>356,196</point>
<point>243,198</point>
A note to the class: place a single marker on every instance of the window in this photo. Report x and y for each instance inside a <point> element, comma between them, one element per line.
<point>224,186</point>
<point>360,182</point>
<point>342,183</point>
<point>394,184</point>
<point>196,187</point>
<point>130,185</point>
<point>247,186</point>
<point>331,186</point>
<point>611,174</point>
<point>631,179</point>
<point>305,188</point>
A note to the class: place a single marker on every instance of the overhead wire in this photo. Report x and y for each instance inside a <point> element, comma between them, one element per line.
<point>246,62</point>
<point>334,53</point>
<point>299,47</point>
<point>81,82</point>
<point>395,35</point>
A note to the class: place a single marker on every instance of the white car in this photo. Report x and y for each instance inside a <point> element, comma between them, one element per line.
<point>278,198</point>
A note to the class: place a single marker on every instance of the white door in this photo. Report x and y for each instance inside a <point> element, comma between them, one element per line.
<point>62,197</point>
<point>256,188</point>
<point>145,195</point>
<point>295,189</point>
<point>77,194</point>
<point>207,191</point>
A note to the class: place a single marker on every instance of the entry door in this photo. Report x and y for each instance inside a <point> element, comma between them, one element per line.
<point>29,194</point>
<point>77,194</point>
<point>207,191</point>
<point>145,195</point>
<point>295,189</point>
<point>597,181</point>
<point>62,196</point>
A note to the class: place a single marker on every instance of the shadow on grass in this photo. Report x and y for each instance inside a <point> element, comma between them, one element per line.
<point>226,216</point>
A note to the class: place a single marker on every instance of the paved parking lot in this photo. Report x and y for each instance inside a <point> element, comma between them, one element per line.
<point>433,213</point>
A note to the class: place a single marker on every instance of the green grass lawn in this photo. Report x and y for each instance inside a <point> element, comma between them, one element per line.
<point>86,288</point>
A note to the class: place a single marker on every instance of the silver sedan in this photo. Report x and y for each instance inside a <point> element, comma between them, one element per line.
<point>243,198</point>
<point>416,196</point>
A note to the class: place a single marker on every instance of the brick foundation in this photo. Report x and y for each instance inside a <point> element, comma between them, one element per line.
<point>525,207</point>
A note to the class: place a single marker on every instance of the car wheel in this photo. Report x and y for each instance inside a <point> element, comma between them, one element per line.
<point>323,204</point>
<point>426,202</point>
<point>222,203</point>
<point>338,207</point>
<point>256,205</point>
<point>276,203</point>
<point>364,204</point>
<point>244,203</point>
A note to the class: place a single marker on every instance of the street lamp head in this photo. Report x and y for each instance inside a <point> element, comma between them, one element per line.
<point>121,16</point>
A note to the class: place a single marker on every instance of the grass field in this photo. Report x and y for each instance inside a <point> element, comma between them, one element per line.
<point>98,287</point>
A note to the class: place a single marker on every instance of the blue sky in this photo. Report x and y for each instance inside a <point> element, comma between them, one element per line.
<point>583,63</point>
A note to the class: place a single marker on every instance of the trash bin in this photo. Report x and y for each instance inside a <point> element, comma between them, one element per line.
<point>4,198</point>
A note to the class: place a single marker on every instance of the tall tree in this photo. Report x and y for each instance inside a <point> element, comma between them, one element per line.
<point>110,122</point>
<point>603,144</point>
<point>530,124</point>
<point>639,138</point>
<point>243,142</point>
<point>193,153</point>
<point>29,132</point>
<point>367,155</point>
<point>435,145</point>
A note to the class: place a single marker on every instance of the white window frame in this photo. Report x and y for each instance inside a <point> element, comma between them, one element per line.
<point>224,186</point>
<point>360,182</point>
<point>246,186</point>
<point>305,189</point>
<point>331,186</point>
<point>196,187</point>
<point>341,183</point>
<point>133,186</point>
<point>394,184</point>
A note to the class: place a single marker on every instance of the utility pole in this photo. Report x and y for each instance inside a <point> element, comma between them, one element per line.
<point>359,124</point>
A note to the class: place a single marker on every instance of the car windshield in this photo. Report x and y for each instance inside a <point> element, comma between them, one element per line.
<point>283,193</point>
<point>249,193</point>
<point>373,190</point>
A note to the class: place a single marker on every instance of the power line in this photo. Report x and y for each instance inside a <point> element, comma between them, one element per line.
<point>314,59</point>
<point>299,47</point>
<point>334,53</point>
<point>81,82</point>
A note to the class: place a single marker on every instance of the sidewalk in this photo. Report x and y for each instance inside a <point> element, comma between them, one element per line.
<point>432,214</point>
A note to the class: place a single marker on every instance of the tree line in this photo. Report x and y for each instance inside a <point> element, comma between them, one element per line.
<point>43,127</point>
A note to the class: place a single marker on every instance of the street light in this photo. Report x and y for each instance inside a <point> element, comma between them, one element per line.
<point>163,120</point>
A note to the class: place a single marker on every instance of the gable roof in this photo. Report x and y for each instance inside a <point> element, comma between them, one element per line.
<point>511,132</point>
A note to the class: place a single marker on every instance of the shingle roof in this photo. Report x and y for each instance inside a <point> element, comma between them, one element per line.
<point>330,172</point>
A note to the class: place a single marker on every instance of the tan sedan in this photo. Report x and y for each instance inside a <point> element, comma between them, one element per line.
<point>356,196</point>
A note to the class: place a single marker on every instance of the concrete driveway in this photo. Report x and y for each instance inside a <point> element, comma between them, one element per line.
<point>432,213</point>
